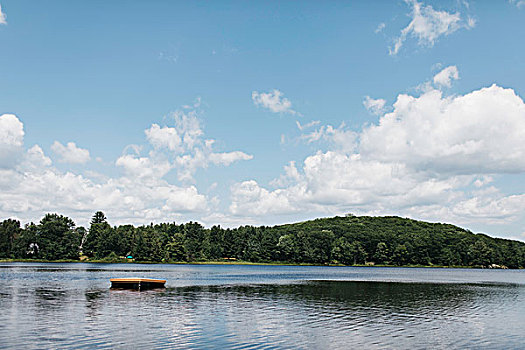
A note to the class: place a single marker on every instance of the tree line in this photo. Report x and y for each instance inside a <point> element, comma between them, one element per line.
<point>349,240</point>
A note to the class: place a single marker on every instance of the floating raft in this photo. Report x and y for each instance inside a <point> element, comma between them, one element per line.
<point>136,283</point>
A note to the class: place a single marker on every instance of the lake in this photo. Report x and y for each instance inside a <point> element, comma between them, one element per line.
<point>70,306</point>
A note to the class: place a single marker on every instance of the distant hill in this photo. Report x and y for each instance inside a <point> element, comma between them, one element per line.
<point>397,241</point>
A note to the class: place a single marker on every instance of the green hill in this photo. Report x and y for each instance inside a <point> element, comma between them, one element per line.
<point>397,241</point>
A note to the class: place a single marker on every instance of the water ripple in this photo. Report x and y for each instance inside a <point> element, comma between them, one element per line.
<point>58,306</point>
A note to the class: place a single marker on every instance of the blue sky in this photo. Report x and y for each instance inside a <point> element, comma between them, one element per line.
<point>264,112</point>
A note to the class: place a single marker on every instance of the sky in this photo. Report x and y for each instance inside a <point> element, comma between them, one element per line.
<point>264,112</point>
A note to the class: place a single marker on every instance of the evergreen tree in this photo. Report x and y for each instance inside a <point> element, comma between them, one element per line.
<point>95,234</point>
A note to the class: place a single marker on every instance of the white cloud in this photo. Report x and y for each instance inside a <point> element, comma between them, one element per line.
<point>518,3</point>
<point>228,158</point>
<point>11,139</point>
<point>374,106</point>
<point>307,125</point>
<point>70,153</point>
<point>291,175</point>
<point>31,192</point>
<point>164,137</point>
<point>274,101</point>
<point>188,164</point>
<point>481,132</point>
<point>493,207</point>
<point>188,126</point>
<point>334,183</point>
<point>36,159</point>
<point>32,186</point>
<point>181,147</point>
<point>339,138</point>
<point>3,17</point>
<point>433,158</point>
<point>483,180</point>
<point>427,25</point>
<point>245,194</point>
<point>143,167</point>
<point>11,131</point>
<point>445,77</point>
<point>380,28</point>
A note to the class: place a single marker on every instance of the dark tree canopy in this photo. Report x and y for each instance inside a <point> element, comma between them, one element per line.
<point>57,238</point>
<point>9,232</point>
<point>346,240</point>
<point>98,218</point>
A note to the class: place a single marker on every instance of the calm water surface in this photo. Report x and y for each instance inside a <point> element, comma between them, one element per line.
<point>260,307</point>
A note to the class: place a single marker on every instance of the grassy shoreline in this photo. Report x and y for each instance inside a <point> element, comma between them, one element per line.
<point>275,263</point>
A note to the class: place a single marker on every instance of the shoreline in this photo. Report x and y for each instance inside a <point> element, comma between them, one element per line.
<point>275,263</point>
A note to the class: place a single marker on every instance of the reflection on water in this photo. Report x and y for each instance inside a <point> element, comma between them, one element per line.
<point>60,308</point>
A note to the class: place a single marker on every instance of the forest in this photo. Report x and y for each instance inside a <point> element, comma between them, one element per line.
<point>348,240</point>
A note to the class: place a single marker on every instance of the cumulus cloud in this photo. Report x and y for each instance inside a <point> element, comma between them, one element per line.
<point>432,157</point>
<point>164,137</point>
<point>30,192</point>
<point>493,207</point>
<point>143,167</point>
<point>70,153</point>
<point>11,130</point>
<point>3,17</point>
<point>36,159</point>
<point>245,194</point>
<point>445,77</point>
<point>427,25</point>
<point>181,147</point>
<point>274,101</point>
<point>30,185</point>
<point>481,132</point>
<point>374,106</point>
<point>332,182</point>
<point>11,139</point>
<point>291,175</point>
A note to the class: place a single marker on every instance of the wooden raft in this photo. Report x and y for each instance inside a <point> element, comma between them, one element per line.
<point>136,283</point>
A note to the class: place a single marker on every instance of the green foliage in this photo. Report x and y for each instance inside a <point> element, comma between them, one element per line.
<point>90,244</point>
<point>57,238</point>
<point>194,241</point>
<point>9,231</point>
<point>25,246</point>
<point>349,240</point>
<point>175,247</point>
<point>480,254</point>
<point>215,243</point>
<point>348,253</point>
<point>112,257</point>
<point>381,254</point>
<point>287,248</point>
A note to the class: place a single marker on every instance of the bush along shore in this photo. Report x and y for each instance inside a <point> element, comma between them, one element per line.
<point>349,240</point>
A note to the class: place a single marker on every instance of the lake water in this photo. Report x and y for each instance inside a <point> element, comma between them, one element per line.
<point>65,306</point>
